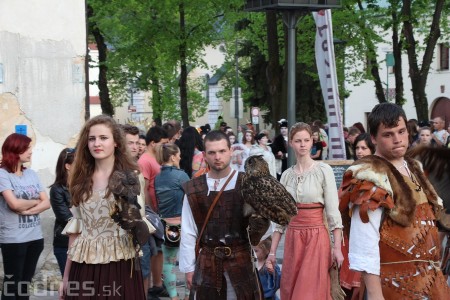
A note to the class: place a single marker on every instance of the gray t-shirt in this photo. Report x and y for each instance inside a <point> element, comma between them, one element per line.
<point>15,228</point>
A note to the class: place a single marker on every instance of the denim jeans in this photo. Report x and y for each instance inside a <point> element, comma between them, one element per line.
<point>61,258</point>
<point>19,262</point>
<point>145,261</point>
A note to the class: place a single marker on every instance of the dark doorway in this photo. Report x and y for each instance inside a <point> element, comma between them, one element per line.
<point>441,108</point>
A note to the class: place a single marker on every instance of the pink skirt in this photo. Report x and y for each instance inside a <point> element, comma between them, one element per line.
<point>307,256</point>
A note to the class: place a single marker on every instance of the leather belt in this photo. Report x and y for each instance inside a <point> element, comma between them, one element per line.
<point>220,254</point>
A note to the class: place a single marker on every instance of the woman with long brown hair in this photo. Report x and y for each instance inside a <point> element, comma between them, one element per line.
<point>100,257</point>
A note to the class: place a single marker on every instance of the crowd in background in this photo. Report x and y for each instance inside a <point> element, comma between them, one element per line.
<point>166,157</point>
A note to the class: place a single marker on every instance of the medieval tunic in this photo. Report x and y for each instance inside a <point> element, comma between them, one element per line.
<point>224,268</point>
<point>393,230</point>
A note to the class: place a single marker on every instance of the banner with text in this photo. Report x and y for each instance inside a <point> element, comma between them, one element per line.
<point>326,67</point>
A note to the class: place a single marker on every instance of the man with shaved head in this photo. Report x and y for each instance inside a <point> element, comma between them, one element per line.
<point>440,134</point>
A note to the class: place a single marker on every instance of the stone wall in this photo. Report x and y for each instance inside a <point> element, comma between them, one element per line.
<point>42,86</point>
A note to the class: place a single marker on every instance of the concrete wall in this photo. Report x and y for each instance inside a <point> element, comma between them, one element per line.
<point>42,52</point>
<point>42,67</point>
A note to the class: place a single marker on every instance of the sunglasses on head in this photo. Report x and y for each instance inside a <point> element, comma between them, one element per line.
<point>69,151</point>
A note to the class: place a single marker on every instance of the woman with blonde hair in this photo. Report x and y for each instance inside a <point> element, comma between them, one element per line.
<point>307,242</point>
<point>101,254</point>
<point>169,194</point>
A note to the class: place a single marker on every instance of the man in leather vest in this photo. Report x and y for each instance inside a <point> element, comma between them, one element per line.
<point>222,268</point>
<point>393,234</point>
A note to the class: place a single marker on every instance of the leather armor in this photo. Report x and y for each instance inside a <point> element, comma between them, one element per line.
<point>409,242</point>
<point>224,246</point>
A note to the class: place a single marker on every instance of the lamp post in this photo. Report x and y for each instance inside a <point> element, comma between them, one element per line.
<point>390,62</point>
<point>236,87</point>
<point>291,10</point>
<point>337,41</point>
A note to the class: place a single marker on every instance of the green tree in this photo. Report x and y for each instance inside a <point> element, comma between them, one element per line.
<point>105,100</point>
<point>154,44</point>
<point>415,26</point>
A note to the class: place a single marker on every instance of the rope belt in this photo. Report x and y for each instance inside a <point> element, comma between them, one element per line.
<point>434,264</point>
<point>220,254</point>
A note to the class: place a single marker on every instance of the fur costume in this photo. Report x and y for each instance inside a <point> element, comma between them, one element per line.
<point>409,243</point>
<point>392,192</point>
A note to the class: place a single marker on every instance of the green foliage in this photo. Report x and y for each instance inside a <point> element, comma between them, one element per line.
<point>144,39</point>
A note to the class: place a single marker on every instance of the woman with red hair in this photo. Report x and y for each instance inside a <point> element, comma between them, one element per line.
<point>22,198</point>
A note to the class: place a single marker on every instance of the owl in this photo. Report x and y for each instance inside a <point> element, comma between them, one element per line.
<point>264,195</point>
<point>125,187</point>
<point>436,164</point>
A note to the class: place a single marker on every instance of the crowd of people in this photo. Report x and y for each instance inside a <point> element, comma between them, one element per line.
<point>180,200</point>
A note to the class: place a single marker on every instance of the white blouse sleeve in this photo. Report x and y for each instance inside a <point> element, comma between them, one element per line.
<point>189,233</point>
<point>330,198</point>
<point>364,253</point>
<point>75,224</point>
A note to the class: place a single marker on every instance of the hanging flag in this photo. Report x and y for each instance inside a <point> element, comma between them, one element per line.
<point>326,66</point>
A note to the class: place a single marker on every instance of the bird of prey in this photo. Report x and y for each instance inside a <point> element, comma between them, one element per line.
<point>125,187</point>
<point>264,195</point>
<point>436,164</point>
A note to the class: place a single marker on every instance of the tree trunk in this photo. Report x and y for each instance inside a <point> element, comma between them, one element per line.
<point>274,71</point>
<point>156,99</point>
<point>183,69</point>
<point>397,52</point>
<point>105,100</point>
<point>420,97</point>
<point>419,76</point>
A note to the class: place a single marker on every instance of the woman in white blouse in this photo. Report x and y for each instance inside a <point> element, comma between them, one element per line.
<point>261,148</point>
<point>307,242</point>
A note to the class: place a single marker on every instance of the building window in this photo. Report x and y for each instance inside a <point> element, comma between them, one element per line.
<point>443,57</point>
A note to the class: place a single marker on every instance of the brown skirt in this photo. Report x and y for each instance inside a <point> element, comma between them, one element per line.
<point>114,280</point>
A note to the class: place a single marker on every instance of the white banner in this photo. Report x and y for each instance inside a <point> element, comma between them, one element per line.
<point>326,66</point>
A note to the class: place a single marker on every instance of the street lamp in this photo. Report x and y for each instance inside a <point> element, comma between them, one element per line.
<point>337,41</point>
<point>291,9</point>
<point>236,87</point>
<point>390,62</point>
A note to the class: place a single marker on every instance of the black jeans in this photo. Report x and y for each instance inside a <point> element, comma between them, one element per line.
<point>19,263</point>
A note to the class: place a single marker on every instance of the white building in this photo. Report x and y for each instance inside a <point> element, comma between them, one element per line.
<point>362,98</point>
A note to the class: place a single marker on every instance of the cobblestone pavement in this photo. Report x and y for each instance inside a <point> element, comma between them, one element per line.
<point>47,277</point>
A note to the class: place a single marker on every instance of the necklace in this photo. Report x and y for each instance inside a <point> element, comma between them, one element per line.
<point>411,176</point>
<point>404,165</point>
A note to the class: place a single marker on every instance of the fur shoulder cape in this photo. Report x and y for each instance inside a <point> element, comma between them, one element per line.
<point>384,175</point>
